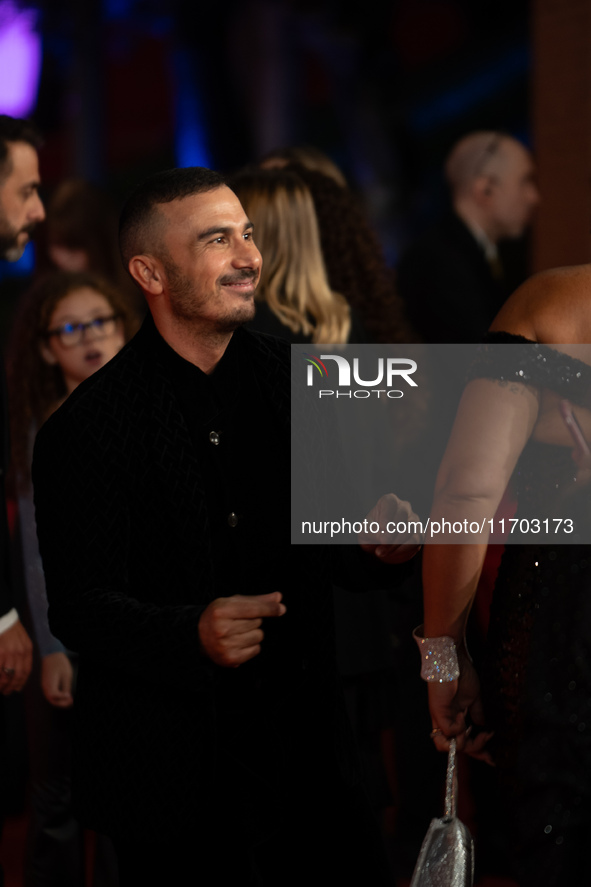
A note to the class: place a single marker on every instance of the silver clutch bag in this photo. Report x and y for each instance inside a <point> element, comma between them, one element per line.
<point>447,853</point>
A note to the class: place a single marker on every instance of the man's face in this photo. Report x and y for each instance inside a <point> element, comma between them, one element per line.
<point>20,205</point>
<point>212,265</point>
<point>513,191</point>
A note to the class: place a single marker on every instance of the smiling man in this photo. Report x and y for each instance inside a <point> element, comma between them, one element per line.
<point>211,735</point>
<point>200,287</point>
<point>20,205</point>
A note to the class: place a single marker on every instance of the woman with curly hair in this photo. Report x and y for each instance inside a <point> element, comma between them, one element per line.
<point>68,326</point>
<point>294,298</point>
<point>352,253</point>
<point>354,259</point>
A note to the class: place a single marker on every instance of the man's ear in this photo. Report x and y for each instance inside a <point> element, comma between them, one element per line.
<point>147,272</point>
<point>482,188</point>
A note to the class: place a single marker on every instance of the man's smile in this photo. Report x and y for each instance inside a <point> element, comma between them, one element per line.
<point>245,281</point>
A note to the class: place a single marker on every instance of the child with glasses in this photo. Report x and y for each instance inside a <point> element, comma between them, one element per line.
<point>68,326</point>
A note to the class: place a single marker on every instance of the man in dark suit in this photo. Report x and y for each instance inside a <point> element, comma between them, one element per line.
<point>20,211</point>
<point>452,279</point>
<point>162,489</point>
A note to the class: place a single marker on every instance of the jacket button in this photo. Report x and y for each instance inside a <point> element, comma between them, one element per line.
<point>232,519</point>
<point>214,438</point>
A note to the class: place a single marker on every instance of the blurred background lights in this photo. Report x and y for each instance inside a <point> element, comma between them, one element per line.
<point>20,59</point>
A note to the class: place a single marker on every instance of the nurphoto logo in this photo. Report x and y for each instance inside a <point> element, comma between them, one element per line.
<point>388,371</point>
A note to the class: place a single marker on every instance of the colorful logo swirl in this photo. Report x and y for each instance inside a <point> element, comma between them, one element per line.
<point>315,361</point>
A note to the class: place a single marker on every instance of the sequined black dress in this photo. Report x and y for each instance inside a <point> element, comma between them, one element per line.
<point>537,686</point>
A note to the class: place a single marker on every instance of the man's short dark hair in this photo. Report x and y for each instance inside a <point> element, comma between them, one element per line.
<point>137,217</point>
<point>12,129</point>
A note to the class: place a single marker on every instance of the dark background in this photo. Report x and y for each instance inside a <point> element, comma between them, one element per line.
<point>131,86</point>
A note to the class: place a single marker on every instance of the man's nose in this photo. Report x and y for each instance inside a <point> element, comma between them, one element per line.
<point>37,210</point>
<point>247,256</point>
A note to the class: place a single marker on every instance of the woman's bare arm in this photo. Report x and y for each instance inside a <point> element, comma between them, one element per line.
<point>494,422</point>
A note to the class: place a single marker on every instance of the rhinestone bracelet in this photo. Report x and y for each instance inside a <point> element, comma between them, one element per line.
<point>439,658</point>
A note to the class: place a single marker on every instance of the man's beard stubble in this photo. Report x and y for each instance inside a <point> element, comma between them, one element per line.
<point>10,249</point>
<point>11,252</point>
<point>187,307</point>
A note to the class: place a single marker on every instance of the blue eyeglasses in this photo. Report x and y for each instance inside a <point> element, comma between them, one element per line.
<point>73,333</point>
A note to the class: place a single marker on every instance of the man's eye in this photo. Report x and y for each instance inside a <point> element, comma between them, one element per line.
<point>98,324</point>
<point>68,329</point>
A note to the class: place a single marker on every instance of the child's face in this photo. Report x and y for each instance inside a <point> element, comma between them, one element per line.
<point>95,346</point>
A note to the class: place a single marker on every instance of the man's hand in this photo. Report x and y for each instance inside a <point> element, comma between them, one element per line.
<point>398,537</point>
<point>230,627</point>
<point>56,679</point>
<point>16,659</point>
<point>449,704</point>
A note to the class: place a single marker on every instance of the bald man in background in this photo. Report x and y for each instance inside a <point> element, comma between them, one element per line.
<point>452,279</point>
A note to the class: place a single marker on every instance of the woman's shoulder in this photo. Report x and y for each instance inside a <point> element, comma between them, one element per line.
<point>552,307</point>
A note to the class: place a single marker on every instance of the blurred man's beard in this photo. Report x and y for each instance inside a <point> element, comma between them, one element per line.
<point>10,249</point>
<point>11,252</point>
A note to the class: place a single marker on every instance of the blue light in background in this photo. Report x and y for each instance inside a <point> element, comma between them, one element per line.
<point>20,60</point>
<point>190,141</point>
<point>23,267</point>
<point>117,9</point>
<point>480,86</point>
